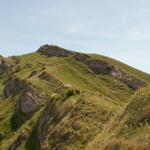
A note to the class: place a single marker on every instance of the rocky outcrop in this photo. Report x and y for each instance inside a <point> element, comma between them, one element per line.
<point>101,67</point>
<point>131,81</point>
<point>134,84</point>
<point>21,138</point>
<point>52,50</point>
<point>3,66</point>
<point>81,57</point>
<point>97,66</point>
<point>28,103</point>
<point>49,119</point>
<point>13,87</point>
<point>31,100</point>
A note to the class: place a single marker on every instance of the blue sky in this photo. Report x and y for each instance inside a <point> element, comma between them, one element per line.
<point>116,28</point>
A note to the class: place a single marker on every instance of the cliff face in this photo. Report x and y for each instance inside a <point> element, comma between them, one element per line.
<point>56,99</point>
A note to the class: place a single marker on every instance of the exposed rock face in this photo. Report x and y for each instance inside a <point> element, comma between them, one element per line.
<point>52,50</point>
<point>53,114</point>
<point>57,108</point>
<point>131,81</point>
<point>101,67</point>
<point>21,138</point>
<point>29,102</point>
<point>13,87</point>
<point>81,57</point>
<point>3,66</point>
<point>134,84</point>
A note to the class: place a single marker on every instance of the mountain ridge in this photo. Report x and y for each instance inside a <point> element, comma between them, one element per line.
<point>60,99</point>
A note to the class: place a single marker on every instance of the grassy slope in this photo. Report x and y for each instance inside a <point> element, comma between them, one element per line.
<point>135,72</point>
<point>67,70</point>
<point>130,128</point>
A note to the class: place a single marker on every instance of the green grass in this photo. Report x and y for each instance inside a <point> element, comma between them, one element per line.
<point>85,113</point>
<point>6,111</point>
<point>131,126</point>
<point>135,72</point>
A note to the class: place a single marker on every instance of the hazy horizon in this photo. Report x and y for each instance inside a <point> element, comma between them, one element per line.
<point>118,29</point>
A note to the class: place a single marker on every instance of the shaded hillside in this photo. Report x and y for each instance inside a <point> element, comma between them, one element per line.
<point>60,99</point>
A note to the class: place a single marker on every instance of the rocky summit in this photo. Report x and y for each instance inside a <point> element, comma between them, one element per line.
<point>58,99</point>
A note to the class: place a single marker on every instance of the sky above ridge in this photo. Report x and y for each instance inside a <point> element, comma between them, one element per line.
<point>116,28</point>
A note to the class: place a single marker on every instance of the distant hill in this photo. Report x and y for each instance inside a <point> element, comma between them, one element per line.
<point>58,99</point>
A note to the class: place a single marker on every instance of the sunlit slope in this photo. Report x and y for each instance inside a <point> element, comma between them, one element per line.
<point>53,91</point>
<point>130,128</point>
<point>127,68</point>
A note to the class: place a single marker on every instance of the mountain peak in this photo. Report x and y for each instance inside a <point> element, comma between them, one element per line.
<point>53,50</point>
